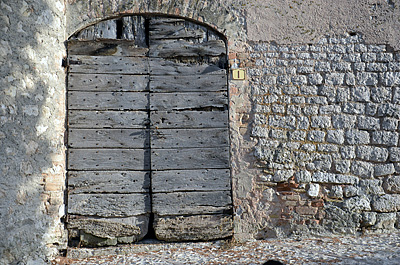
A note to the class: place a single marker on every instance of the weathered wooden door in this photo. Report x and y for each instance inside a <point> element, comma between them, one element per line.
<point>147,132</point>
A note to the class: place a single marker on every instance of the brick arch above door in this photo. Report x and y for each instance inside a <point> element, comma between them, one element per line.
<point>148,132</point>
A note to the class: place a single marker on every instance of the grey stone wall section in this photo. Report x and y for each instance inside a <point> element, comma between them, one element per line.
<point>32,117</point>
<point>344,169</point>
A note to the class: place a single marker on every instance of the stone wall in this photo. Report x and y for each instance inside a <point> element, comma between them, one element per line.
<point>32,117</point>
<point>326,126</point>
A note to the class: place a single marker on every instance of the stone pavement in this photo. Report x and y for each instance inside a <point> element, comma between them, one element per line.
<point>369,249</point>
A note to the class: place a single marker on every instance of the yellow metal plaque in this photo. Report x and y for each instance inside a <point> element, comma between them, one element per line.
<point>238,74</point>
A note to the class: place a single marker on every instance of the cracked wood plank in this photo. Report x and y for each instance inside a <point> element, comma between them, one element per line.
<point>189,203</point>
<point>102,30</point>
<point>196,227</point>
<point>109,205</point>
<point>196,83</point>
<point>107,82</point>
<point>108,64</point>
<point>131,228</point>
<point>108,138</point>
<point>106,48</point>
<point>78,100</point>
<point>107,119</point>
<point>183,138</point>
<point>191,180</point>
<point>190,158</point>
<point>108,181</point>
<point>189,119</point>
<point>182,48</point>
<point>108,159</point>
<point>188,100</point>
<point>164,67</point>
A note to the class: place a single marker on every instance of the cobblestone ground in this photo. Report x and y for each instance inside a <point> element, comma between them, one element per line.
<point>371,249</point>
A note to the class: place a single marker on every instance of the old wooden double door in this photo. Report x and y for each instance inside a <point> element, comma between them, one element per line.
<point>148,144</point>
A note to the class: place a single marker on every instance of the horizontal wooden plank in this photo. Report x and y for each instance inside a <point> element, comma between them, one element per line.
<point>108,159</point>
<point>107,82</point>
<point>191,180</point>
<point>195,83</point>
<point>191,228</point>
<point>182,48</point>
<point>107,100</point>
<point>188,203</point>
<point>102,30</point>
<point>107,119</point>
<point>183,138</point>
<point>190,158</point>
<point>134,228</point>
<point>164,67</point>
<point>188,100</point>
<point>108,64</point>
<point>106,48</point>
<point>108,138</point>
<point>189,119</point>
<point>109,205</point>
<point>164,20</point>
<point>108,181</point>
<point>159,31</point>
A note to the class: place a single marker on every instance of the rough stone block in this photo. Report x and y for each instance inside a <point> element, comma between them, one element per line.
<point>342,166</point>
<point>334,79</point>
<point>390,124</point>
<point>368,123</point>
<point>310,110</point>
<point>360,93</point>
<point>316,136</point>
<point>335,136</point>
<point>396,95</point>
<point>381,94</point>
<point>315,79</point>
<point>351,191</point>
<point>330,109</point>
<point>354,108</point>
<point>322,162</point>
<point>303,176</point>
<point>357,137</point>
<point>362,169</point>
<point>322,177</point>
<point>259,131</point>
<point>348,152</point>
<point>336,192</point>
<point>390,78</point>
<point>297,135</point>
<point>376,67</point>
<point>392,184</point>
<point>358,204</point>
<point>386,203</point>
<point>285,122</point>
<point>343,121</point>
<point>383,170</point>
<point>368,219</point>
<point>367,79</point>
<point>320,122</point>
<point>342,94</point>
<point>394,154</point>
<point>371,186</point>
<point>283,175</point>
<point>385,138</point>
<point>371,109</point>
<point>385,221</point>
<point>313,190</point>
<point>309,90</point>
<point>389,110</point>
<point>368,57</point>
<point>329,148</point>
<point>322,66</point>
<point>372,153</point>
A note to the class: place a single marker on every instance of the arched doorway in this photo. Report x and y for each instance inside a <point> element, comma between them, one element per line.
<point>148,141</point>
